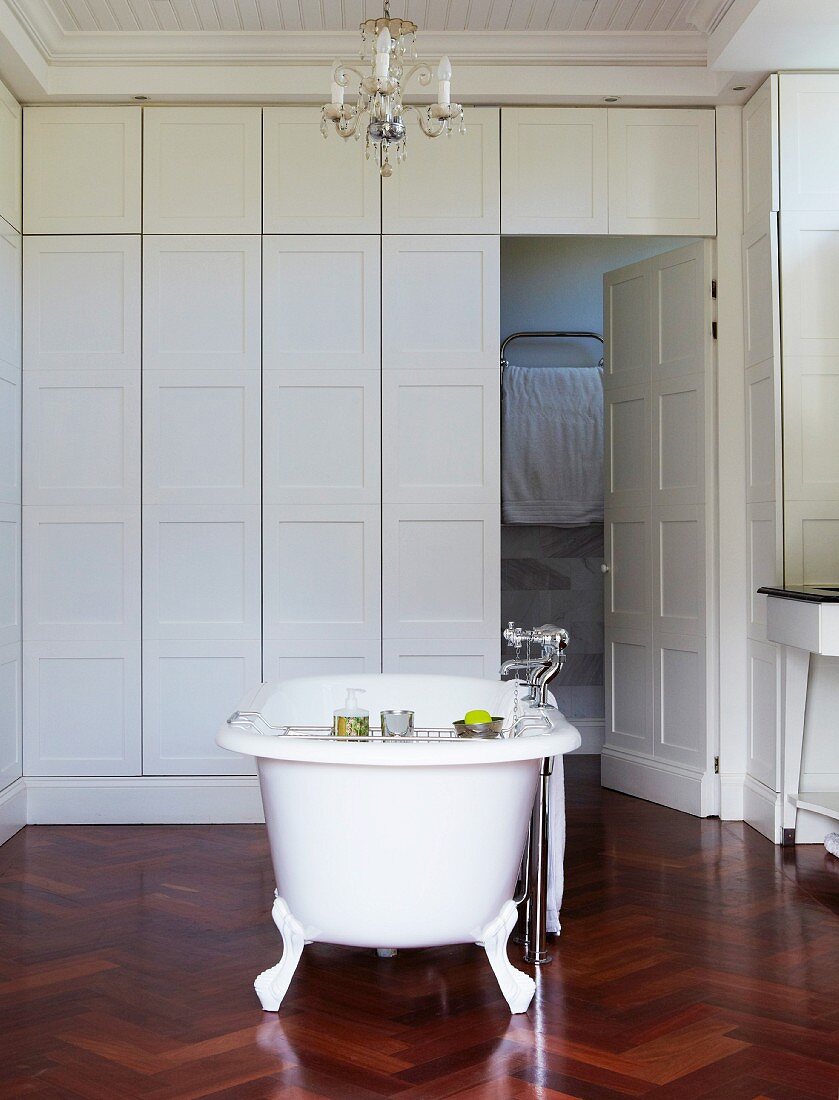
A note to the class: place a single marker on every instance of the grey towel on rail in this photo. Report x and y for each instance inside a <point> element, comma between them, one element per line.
<point>552,445</point>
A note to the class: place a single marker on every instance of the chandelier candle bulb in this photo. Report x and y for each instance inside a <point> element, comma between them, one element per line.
<point>337,89</point>
<point>383,44</point>
<point>444,82</point>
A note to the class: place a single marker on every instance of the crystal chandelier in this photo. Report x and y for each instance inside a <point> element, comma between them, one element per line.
<point>388,45</point>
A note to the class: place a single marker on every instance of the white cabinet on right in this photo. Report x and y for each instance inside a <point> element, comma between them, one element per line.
<point>662,172</point>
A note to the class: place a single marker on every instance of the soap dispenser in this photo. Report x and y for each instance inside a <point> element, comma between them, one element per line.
<point>351,720</point>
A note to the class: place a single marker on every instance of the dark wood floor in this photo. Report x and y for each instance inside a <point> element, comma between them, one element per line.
<point>696,961</point>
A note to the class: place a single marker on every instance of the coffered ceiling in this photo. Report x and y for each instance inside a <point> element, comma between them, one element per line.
<point>503,51</point>
<point>163,16</point>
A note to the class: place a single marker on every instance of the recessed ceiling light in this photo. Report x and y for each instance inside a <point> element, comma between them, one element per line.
<point>740,88</point>
<point>141,98</point>
<point>612,99</point>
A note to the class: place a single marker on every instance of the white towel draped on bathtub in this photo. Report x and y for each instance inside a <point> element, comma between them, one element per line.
<point>556,844</point>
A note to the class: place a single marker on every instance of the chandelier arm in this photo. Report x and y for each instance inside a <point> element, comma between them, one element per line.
<point>423,72</point>
<point>428,127</point>
<point>341,74</point>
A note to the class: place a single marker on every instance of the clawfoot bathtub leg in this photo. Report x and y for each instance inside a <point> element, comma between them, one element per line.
<point>518,988</point>
<point>272,984</point>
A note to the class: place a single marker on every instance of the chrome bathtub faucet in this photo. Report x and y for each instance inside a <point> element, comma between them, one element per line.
<point>541,670</point>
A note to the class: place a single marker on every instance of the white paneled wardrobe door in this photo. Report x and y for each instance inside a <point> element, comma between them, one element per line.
<point>321,302</point>
<point>82,170</point>
<point>321,434</point>
<point>449,184</point>
<point>440,302</point>
<point>810,332</point>
<point>321,572</point>
<point>553,170</point>
<point>679,599</point>
<point>10,572</point>
<point>441,436</point>
<point>764,711</point>
<point>662,171</point>
<point>189,688</point>
<point>763,432</point>
<point>201,437</point>
<point>11,749</point>
<point>679,692</point>
<point>10,303</point>
<point>810,250</point>
<point>202,169</point>
<point>82,701</point>
<point>81,303</point>
<point>11,117</point>
<point>284,660</point>
<point>629,693</point>
<point>311,185</point>
<point>628,326</point>
<point>446,657</point>
<point>9,436</point>
<point>81,574</point>
<point>681,300</point>
<point>201,302</point>
<point>201,567</point>
<point>761,291</point>
<point>440,576</point>
<point>809,117</point>
<point>761,189</point>
<point>82,437</point>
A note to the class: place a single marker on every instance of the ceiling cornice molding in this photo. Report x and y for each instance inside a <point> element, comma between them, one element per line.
<point>307,47</point>
<point>706,15</point>
<point>60,47</point>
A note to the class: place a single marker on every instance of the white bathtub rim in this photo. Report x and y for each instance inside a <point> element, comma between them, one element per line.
<point>378,752</point>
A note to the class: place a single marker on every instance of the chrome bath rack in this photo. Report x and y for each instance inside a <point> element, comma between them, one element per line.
<point>252,721</point>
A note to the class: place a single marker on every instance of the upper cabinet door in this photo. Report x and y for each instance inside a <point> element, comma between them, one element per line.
<point>662,172</point>
<point>201,170</point>
<point>10,155</point>
<point>81,169</point>
<point>553,171</point>
<point>447,184</point>
<point>809,117</point>
<point>312,185</point>
<point>760,155</point>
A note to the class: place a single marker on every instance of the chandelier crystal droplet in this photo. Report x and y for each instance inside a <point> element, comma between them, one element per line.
<point>388,46</point>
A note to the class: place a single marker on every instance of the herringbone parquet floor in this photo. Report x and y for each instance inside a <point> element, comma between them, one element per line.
<point>696,961</point>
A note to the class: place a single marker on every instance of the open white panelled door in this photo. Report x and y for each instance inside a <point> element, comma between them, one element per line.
<point>660,574</point>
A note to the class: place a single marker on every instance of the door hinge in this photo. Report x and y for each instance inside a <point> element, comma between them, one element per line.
<point>714,329</point>
<point>716,765</point>
<point>713,288</point>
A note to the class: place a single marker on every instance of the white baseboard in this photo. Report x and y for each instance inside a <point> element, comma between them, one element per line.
<point>143,800</point>
<point>762,808</point>
<point>731,796</point>
<point>592,733</point>
<point>12,809</point>
<point>670,785</point>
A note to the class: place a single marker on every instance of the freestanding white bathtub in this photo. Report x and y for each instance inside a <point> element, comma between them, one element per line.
<point>391,843</point>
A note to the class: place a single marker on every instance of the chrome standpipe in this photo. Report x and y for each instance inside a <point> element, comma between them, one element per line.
<point>532,926</point>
